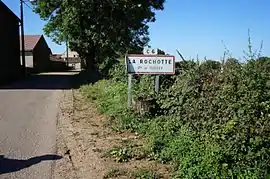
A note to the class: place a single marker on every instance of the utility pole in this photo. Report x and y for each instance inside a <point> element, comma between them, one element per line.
<point>22,39</point>
<point>67,51</point>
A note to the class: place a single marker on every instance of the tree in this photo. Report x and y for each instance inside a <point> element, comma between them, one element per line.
<point>161,52</point>
<point>99,29</point>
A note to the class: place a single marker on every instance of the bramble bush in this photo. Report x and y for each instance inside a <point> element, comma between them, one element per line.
<point>228,106</point>
<point>214,118</point>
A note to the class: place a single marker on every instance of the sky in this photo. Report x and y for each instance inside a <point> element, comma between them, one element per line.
<point>194,27</point>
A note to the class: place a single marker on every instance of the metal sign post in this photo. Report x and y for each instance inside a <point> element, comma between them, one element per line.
<point>129,90</point>
<point>129,85</point>
<point>156,84</point>
<point>149,63</point>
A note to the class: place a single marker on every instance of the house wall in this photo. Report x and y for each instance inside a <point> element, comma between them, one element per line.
<point>71,54</point>
<point>10,68</point>
<point>77,66</point>
<point>41,56</point>
<point>29,60</point>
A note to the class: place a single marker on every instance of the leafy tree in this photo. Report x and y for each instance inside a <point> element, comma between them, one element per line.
<point>99,29</point>
<point>161,52</point>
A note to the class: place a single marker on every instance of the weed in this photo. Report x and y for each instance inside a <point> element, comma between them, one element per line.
<point>145,174</point>
<point>115,172</point>
<point>120,154</point>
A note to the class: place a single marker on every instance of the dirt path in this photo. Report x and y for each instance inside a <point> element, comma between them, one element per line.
<point>92,150</point>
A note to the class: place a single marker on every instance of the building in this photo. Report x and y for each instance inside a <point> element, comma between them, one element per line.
<point>9,45</point>
<point>58,63</point>
<point>56,57</point>
<point>37,53</point>
<point>72,59</point>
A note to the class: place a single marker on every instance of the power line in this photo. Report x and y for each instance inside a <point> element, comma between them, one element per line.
<point>28,5</point>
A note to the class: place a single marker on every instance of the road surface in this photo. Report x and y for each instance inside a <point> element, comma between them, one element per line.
<point>28,117</point>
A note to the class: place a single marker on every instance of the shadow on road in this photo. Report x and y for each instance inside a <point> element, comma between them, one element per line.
<point>86,77</point>
<point>13,165</point>
<point>54,81</point>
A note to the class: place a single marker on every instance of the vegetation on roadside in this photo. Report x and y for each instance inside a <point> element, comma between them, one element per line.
<point>145,174</point>
<point>134,174</point>
<point>114,173</point>
<point>120,154</point>
<point>211,119</point>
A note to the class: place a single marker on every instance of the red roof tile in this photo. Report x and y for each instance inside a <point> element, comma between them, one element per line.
<point>30,41</point>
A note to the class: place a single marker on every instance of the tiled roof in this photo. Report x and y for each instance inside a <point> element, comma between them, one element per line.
<point>57,57</point>
<point>30,41</point>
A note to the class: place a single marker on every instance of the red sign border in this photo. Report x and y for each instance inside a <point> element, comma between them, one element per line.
<point>153,73</point>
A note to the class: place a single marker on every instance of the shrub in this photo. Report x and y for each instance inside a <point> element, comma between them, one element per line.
<point>230,107</point>
<point>117,72</point>
<point>214,119</point>
<point>196,157</point>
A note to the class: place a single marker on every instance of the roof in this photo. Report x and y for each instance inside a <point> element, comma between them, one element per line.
<point>71,54</point>
<point>56,57</point>
<point>30,41</point>
<point>5,7</point>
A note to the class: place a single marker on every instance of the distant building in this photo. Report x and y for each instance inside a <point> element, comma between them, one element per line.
<point>9,45</point>
<point>58,63</point>
<point>37,53</point>
<point>72,59</point>
<point>57,57</point>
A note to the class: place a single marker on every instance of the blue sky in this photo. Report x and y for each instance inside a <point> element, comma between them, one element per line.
<point>199,26</point>
<point>193,26</point>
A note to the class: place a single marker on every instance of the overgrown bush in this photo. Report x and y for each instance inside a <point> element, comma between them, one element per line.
<point>215,120</point>
<point>229,107</point>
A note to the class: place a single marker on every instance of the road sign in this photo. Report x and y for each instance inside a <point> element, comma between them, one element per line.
<point>149,51</point>
<point>150,64</point>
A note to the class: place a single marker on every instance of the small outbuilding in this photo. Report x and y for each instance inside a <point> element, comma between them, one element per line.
<point>37,53</point>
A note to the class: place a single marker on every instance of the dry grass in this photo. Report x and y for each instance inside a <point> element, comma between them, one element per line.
<point>85,138</point>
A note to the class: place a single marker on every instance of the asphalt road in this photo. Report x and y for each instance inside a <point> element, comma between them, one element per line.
<point>28,117</point>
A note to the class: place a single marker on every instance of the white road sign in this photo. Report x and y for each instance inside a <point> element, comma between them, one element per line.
<point>150,51</point>
<point>150,64</point>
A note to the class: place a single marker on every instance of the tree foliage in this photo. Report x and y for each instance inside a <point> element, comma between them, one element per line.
<point>99,29</point>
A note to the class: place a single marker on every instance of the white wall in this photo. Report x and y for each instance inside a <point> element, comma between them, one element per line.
<point>29,60</point>
<point>70,54</point>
